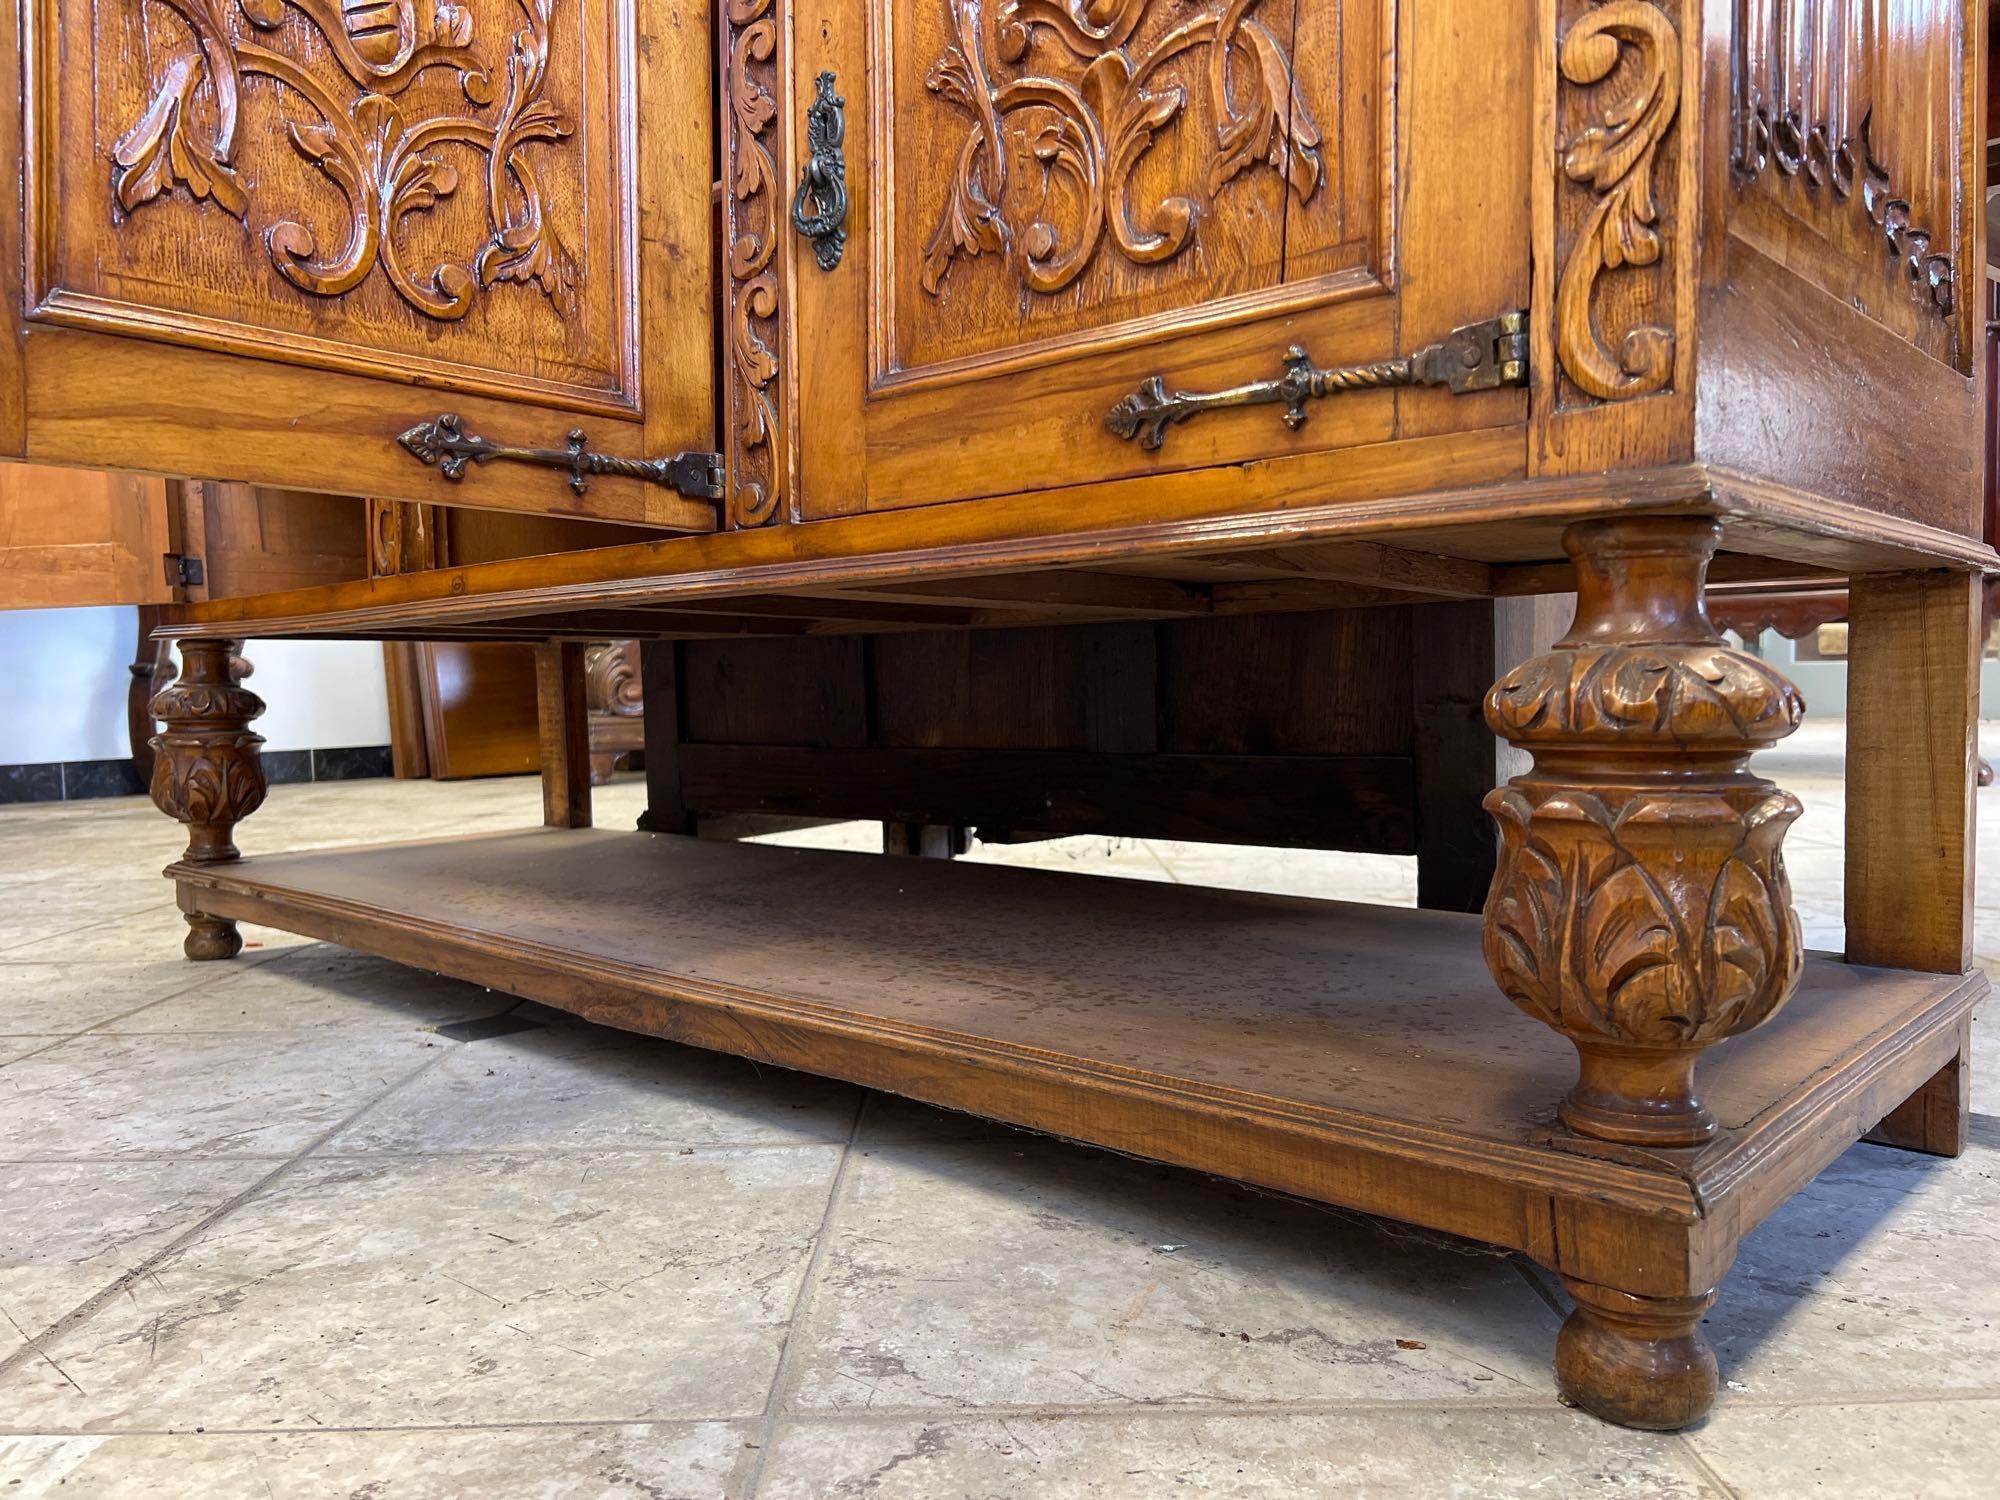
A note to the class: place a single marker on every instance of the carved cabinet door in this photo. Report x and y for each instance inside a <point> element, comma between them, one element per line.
<point>354,245</point>
<point>1048,203</point>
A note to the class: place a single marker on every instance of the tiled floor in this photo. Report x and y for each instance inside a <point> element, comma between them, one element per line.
<point>310,1224</point>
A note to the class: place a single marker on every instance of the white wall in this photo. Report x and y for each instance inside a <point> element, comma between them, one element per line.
<point>64,671</point>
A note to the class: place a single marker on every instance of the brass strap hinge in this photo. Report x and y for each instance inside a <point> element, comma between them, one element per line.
<point>445,443</point>
<point>1477,357</point>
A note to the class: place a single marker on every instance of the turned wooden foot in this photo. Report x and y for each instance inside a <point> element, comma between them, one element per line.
<point>1636,1361</point>
<point>211,937</point>
<point>1640,905</point>
<point>206,769</point>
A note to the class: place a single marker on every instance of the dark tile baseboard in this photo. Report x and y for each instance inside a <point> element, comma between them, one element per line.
<point>75,780</point>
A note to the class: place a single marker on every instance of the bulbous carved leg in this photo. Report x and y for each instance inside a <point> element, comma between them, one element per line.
<point>1640,905</point>
<point>1636,1361</point>
<point>206,770</point>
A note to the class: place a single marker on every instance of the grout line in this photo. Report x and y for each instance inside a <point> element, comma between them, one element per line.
<point>1703,1467</point>
<point>679,1151</point>
<point>106,921</point>
<point>1107,1411</point>
<point>91,1305</point>
<point>781,1374</point>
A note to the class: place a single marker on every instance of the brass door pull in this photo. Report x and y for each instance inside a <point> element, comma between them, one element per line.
<point>444,442</point>
<point>1478,357</point>
<point>819,208</point>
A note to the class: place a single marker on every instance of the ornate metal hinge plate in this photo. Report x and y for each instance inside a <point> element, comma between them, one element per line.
<point>1477,357</point>
<point>819,208</point>
<point>445,443</point>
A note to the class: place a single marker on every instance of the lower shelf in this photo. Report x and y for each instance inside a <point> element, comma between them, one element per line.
<point>1357,1055</point>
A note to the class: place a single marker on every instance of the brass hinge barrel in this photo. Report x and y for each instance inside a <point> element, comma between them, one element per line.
<point>1478,357</point>
<point>444,442</point>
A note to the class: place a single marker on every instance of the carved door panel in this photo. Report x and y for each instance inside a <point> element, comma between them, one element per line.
<point>265,239</point>
<point>1050,202</point>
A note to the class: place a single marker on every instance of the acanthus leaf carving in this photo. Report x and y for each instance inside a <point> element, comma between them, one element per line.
<point>1090,115</point>
<point>1661,920</point>
<point>386,166</point>
<point>1615,159</point>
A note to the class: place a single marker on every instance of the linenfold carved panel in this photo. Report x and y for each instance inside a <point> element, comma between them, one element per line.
<point>1847,152</point>
<point>404,187</point>
<point>1064,165</point>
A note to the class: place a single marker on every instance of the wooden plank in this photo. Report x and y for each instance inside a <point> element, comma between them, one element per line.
<point>1295,801</point>
<point>783,692</point>
<point>1455,495</point>
<point>1069,688</point>
<point>1330,684</point>
<point>1914,644</point>
<point>565,732</point>
<point>660,682</point>
<point>1912,758</point>
<point>1451,669</point>
<point>1265,1038</point>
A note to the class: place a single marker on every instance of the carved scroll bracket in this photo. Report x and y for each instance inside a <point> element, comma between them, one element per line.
<point>1626,55</point>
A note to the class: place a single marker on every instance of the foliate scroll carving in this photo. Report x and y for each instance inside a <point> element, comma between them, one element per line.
<point>1624,56</point>
<point>387,159</point>
<point>1087,106</point>
<point>754,218</point>
<point>611,680</point>
<point>1640,905</point>
<point>1683,694</point>
<point>206,768</point>
<point>1806,110</point>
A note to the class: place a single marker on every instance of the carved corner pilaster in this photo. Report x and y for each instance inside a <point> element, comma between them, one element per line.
<point>755,224</point>
<point>207,772</point>
<point>1618,232</point>
<point>1640,905</point>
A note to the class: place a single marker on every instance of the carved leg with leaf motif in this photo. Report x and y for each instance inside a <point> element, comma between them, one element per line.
<point>206,769</point>
<point>1640,905</point>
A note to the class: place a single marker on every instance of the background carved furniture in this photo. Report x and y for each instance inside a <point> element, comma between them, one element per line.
<point>1169,444</point>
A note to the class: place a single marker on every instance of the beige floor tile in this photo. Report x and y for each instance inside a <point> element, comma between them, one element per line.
<point>12,1047</point>
<point>1882,1275</point>
<point>150,936</point>
<point>69,1230</point>
<point>1031,1273</point>
<point>566,1086</point>
<point>1372,1455</point>
<point>74,994</point>
<point>84,927</point>
<point>497,1290</point>
<point>316,987</point>
<point>696,1461</point>
<point>1894,1451</point>
<point>197,1094</point>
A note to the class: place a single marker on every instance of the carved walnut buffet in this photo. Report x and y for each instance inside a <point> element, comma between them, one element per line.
<point>1075,316</point>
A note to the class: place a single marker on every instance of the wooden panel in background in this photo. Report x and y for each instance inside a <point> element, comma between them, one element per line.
<point>70,537</point>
